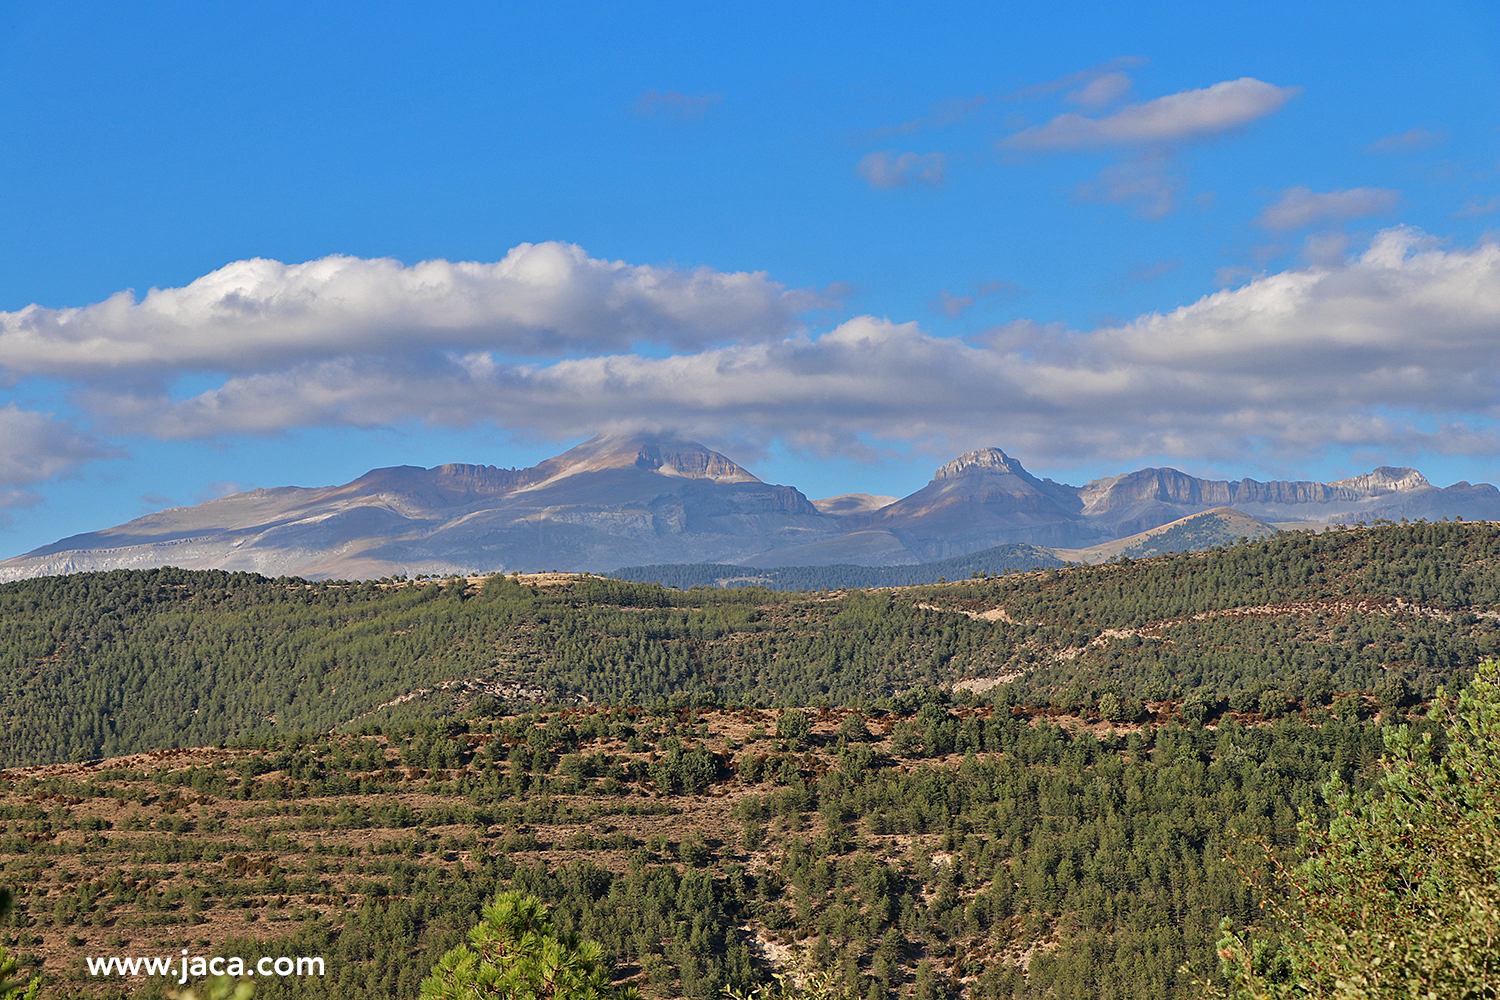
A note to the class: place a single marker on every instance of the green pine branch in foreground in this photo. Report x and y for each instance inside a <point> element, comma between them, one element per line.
<point>1399,896</point>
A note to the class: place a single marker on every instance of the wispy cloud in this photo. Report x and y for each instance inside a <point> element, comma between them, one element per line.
<point>35,447</point>
<point>1102,91</point>
<point>1146,181</point>
<point>1300,207</point>
<point>1146,136</point>
<point>1189,116</point>
<point>954,306</point>
<point>887,170</point>
<point>1407,142</point>
<point>671,104</point>
<point>1081,79</point>
<point>1155,269</point>
<point>221,488</point>
<point>1473,208</point>
<point>942,114</point>
<point>1233,274</point>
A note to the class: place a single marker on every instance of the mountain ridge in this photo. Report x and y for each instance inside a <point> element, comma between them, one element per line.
<point>651,499</point>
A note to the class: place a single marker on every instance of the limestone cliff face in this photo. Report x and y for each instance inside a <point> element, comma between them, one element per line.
<point>1174,487</point>
<point>1385,480</point>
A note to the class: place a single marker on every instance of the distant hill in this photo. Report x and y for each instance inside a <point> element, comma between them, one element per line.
<point>109,663</point>
<point>1221,526</point>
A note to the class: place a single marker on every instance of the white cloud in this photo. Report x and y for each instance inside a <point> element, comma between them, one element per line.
<point>891,170</point>
<point>1377,350</point>
<point>541,299</point>
<point>1300,207</point>
<point>1189,116</point>
<point>1294,362</point>
<point>35,447</point>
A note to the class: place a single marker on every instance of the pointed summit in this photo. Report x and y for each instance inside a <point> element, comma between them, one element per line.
<point>983,461</point>
<point>980,499</point>
<point>664,454</point>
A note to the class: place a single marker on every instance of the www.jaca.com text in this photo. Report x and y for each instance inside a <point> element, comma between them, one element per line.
<point>199,966</point>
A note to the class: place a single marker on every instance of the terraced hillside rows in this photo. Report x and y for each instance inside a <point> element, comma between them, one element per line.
<point>942,849</point>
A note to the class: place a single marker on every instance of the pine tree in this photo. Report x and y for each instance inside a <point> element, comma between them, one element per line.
<point>516,953</point>
<point>1399,895</point>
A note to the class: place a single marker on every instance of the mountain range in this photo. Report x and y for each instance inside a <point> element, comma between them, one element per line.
<point>618,500</point>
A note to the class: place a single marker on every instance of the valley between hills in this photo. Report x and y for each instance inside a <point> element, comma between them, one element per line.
<point>1023,785</point>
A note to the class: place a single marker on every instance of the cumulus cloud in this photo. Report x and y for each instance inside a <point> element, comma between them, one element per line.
<point>891,170</point>
<point>1300,207</point>
<point>1189,116</point>
<point>541,299</point>
<point>37,446</point>
<point>1294,362</point>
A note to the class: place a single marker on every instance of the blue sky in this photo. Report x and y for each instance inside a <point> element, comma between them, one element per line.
<point>840,245</point>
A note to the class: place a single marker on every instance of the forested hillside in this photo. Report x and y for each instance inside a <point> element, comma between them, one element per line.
<point>1012,786</point>
<point>962,848</point>
<point>104,664</point>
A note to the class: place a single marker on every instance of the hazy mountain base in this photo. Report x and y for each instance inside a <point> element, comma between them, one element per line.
<point>1223,526</point>
<point>997,561</point>
<point>968,850</point>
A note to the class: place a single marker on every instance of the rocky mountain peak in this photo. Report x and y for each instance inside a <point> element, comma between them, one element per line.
<point>664,454</point>
<point>984,461</point>
<point>1386,479</point>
